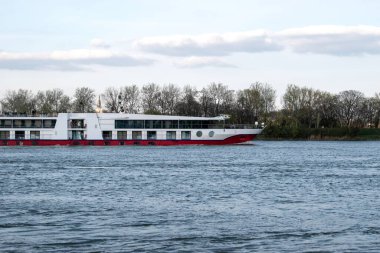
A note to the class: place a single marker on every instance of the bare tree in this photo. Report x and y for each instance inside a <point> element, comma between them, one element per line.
<point>268,95</point>
<point>111,99</point>
<point>64,104</point>
<point>188,104</point>
<point>131,99</point>
<point>255,103</point>
<point>350,104</point>
<point>221,97</point>
<point>60,101</point>
<point>21,101</point>
<point>42,104</point>
<point>326,110</point>
<point>168,99</point>
<point>300,103</point>
<point>150,98</point>
<point>206,101</point>
<point>369,112</point>
<point>377,106</point>
<point>248,101</point>
<point>52,101</point>
<point>229,101</point>
<point>84,100</point>
<point>292,99</point>
<point>302,106</point>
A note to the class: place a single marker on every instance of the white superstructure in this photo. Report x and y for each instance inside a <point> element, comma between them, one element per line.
<point>109,128</point>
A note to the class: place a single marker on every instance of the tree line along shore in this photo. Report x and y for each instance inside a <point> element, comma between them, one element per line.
<point>305,113</point>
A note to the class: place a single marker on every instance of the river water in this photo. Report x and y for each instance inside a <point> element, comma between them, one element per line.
<point>266,197</point>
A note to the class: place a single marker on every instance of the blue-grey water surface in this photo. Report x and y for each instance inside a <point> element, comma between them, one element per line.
<point>267,197</point>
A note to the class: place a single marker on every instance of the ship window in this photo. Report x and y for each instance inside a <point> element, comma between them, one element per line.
<point>170,124</point>
<point>155,124</point>
<point>215,124</point>
<point>34,135</point>
<point>120,124</point>
<point>211,134</point>
<point>49,123</point>
<point>152,135</point>
<point>107,135</point>
<point>18,123</point>
<point>138,124</point>
<point>36,123</point>
<point>171,135</point>
<point>136,135</point>
<point>5,123</point>
<point>185,124</point>
<point>4,135</point>
<point>121,135</point>
<point>75,123</point>
<point>20,135</point>
<point>28,123</point>
<point>199,133</point>
<point>196,124</point>
<point>148,123</point>
<point>186,135</point>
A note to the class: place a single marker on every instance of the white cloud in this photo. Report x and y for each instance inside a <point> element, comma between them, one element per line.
<point>200,62</point>
<point>198,51</point>
<point>209,44</point>
<point>80,59</point>
<point>332,40</point>
<point>99,43</point>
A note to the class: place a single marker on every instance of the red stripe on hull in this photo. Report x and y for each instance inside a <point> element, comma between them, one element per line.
<point>231,140</point>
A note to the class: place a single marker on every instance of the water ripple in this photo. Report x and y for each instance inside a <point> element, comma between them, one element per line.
<point>267,197</point>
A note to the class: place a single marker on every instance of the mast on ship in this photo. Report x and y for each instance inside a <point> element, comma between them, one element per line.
<point>99,108</point>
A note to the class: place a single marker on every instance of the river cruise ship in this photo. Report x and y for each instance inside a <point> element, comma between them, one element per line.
<point>116,129</point>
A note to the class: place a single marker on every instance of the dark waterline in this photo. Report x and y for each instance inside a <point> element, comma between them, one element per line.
<point>268,197</point>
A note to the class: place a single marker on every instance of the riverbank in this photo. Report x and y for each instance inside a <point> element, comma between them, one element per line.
<point>320,134</point>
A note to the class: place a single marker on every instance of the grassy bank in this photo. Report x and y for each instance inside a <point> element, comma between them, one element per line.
<point>288,133</point>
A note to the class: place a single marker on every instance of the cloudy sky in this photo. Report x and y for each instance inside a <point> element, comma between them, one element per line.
<point>331,45</point>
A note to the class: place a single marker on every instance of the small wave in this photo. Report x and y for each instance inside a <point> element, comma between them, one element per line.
<point>75,243</point>
<point>89,167</point>
<point>372,231</point>
<point>304,235</point>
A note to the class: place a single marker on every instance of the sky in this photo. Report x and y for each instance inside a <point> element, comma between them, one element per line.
<point>328,45</point>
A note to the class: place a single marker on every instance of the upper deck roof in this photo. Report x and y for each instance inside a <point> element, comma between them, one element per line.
<point>110,116</point>
<point>125,116</point>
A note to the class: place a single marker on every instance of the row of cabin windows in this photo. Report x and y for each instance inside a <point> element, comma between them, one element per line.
<point>27,123</point>
<point>168,124</point>
<point>151,135</point>
<point>20,135</point>
<point>107,135</point>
